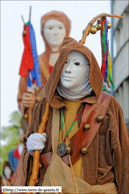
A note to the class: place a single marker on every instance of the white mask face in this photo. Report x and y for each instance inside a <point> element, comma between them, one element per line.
<point>7,172</point>
<point>54,32</point>
<point>75,70</point>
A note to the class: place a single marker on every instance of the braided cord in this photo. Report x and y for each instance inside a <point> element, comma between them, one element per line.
<point>75,184</point>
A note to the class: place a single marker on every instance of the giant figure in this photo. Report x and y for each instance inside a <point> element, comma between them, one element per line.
<point>55,26</point>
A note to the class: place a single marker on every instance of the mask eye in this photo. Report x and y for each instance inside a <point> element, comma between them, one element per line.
<point>50,28</point>
<point>66,62</point>
<point>77,63</point>
<point>60,27</point>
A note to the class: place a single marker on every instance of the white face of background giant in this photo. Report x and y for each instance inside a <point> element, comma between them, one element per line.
<point>75,70</point>
<point>54,32</point>
<point>7,172</point>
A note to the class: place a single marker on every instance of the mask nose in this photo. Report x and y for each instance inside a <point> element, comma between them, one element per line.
<point>69,68</point>
<point>55,31</point>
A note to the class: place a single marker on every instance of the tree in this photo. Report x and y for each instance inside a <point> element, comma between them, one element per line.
<point>10,135</point>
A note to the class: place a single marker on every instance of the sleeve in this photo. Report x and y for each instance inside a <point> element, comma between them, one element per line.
<point>120,151</point>
<point>33,128</point>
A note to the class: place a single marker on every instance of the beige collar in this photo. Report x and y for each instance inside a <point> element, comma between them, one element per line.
<point>58,102</point>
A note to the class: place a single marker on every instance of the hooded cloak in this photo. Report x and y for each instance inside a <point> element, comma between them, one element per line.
<point>107,159</point>
<point>4,181</point>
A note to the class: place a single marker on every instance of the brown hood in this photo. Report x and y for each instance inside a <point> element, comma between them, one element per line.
<point>95,77</point>
<point>9,165</point>
<point>58,16</point>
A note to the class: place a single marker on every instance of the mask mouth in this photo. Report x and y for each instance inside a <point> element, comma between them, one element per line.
<point>67,77</point>
<point>55,37</point>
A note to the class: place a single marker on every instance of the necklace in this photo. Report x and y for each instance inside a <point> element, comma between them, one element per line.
<point>61,147</point>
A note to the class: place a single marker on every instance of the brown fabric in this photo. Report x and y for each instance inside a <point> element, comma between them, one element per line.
<point>19,179</point>
<point>19,174</point>
<point>58,173</point>
<point>107,159</point>
<point>43,68</point>
<point>30,169</point>
<point>45,57</point>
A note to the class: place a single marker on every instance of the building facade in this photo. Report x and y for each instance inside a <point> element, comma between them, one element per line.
<point>120,48</point>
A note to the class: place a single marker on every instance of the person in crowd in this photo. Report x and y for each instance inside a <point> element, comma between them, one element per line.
<point>85,146</point>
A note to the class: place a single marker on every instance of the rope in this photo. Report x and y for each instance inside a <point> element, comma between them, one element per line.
<point>81,109</point>
<point>75,184</point>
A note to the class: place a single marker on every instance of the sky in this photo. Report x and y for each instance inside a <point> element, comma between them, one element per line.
<point>79,12</point>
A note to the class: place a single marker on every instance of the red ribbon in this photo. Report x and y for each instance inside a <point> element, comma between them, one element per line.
<point>16,153</point>
<point>27,58</point>
<point>50,69</point>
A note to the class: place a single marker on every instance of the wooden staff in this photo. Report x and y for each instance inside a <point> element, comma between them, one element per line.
<point>82,41</point>
<point>30,14</point>
<point>36,154</point>
<point>30,115</point>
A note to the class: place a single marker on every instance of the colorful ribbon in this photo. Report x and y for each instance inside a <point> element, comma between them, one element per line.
<point>106,59</point>
<point>30,63</point>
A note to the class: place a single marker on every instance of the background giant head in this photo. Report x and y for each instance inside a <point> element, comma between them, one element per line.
<point>54,33</point>
<point>55,25</point>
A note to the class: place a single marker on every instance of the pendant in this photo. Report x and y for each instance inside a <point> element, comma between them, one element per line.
<point>61,149</point>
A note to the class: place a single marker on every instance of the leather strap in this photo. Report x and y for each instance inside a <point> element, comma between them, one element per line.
<point>55,129</point>
<point>43,68</point>
<point>45,160</point>
<point>42,93</point>
<point>84,138</point>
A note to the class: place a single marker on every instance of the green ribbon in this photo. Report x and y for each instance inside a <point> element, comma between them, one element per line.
<point>103,35</point>
<point>69,128</point>
<point>28,23</point>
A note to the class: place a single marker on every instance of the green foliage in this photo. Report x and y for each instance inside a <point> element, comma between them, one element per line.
<point>10,135</point>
